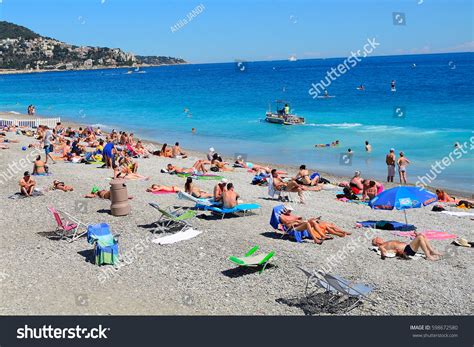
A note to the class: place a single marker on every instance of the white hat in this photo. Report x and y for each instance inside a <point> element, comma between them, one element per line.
<point>211,149</point>
<point>224,180</point>
<point>392,149</point>
<point>288,208</point>
<point>239,157</point>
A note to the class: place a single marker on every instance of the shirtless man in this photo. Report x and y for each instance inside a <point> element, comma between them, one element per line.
<point>230,197</point>
<point>403,249</point>
<point>290,186</point>
<point>198,166</point>
<point>102,194</point>
<point>390,161</point>
<point>177,152</point>
<point>219,190</point>
<point>27,184</point>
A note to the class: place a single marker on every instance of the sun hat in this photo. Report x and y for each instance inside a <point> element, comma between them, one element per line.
<point>211,149</point>
<point>288,208</point>
<point>224,180</point>
<point>392,149</point>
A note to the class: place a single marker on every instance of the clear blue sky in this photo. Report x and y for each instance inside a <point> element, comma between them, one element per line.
<point>250,29</point>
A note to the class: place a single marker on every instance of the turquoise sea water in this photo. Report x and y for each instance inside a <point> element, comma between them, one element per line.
<point>227,105</point>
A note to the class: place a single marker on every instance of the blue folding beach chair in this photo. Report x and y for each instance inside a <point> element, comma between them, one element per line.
<point>105,244</point>
<point>276,224</point>
<point>223,211</point>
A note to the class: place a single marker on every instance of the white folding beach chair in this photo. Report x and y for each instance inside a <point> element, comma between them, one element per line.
<point>272,191</point>
<point>338,287</point>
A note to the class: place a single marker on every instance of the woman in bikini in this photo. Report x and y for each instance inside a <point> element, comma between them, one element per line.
<point>190,188</point>
<point>165,151</point>
<point>303,177</point>
<point>402,167</point>
<point>220,165</point>
<point>39,167</point>
<point>160,188</point>
<point>57,185</point>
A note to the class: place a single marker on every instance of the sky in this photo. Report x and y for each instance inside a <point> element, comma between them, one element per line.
<point>229,30</point>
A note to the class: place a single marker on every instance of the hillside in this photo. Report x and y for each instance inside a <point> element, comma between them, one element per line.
<point>23,49</point>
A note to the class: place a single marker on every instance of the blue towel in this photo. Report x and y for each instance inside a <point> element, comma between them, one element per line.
<point>238,208</point>
<point>387,225</point>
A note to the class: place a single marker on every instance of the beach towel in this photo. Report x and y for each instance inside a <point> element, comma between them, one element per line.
<point>179,236</point>
<point>201,177</point>
<point>161,192</point>
<point>429,234</point>
<point>43,174</point>
<point>458,214</point>
<point>18,195</point>
<point>386,225</point>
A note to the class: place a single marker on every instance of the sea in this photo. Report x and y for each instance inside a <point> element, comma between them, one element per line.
<point>431,110</point>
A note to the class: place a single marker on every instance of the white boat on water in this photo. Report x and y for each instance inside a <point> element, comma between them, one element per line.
<point>292,58</point>
<point>281,117</point>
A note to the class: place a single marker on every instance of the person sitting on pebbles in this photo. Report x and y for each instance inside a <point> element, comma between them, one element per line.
<point>27,184</point>
<point>405,250</point>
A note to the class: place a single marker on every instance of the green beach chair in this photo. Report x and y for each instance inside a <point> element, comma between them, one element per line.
<point>252,259</point>
<point>178,217</point>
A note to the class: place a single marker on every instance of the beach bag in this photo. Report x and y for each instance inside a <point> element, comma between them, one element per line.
<point>214,169</point>
<point>259,180</point>
<point>466,204</point>
<point>438,208</point>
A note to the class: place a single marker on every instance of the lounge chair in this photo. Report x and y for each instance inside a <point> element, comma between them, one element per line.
<point>339,287</point>
<point>252,259</point>
<point>178,217</point>
<point>272,191</point>
<point>276,224</point>
<point>198,201</point>
<point>68,227</point>
<point>105,244</point>
<point>223,211</point>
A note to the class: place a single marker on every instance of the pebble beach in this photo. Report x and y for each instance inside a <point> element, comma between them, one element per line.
<point>42,276</point>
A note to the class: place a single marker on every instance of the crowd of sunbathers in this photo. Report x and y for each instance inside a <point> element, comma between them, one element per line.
<point>117,150</point>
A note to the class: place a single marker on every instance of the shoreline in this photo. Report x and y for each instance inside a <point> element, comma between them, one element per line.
<point>19,72</point>
<point>291,169</point>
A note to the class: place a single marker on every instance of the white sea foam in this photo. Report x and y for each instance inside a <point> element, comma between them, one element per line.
<point>14,112</point>
<point>335,125</point>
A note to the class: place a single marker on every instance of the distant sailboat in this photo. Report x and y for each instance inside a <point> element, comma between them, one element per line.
<point>292,58</point>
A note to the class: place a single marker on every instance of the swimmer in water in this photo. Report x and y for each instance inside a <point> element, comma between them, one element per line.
<point>392,85</point>
<point>361,87</point>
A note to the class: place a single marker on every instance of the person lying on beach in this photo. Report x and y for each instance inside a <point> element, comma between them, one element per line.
<point>219,189</point>
<point>198,167</point>
<point>2,146</point>
<point>444,197</point>
<point>324,228</point>
<point>123,171</point>
<point>97,193</point>
<point>303,177</point>
<point>193,190</point>
<point>218,165</point>
<point>4,140</point>
<point>230,197</point>
<point>58,185</point>
<point>160,188</point>
<point>27,184</point>
<point>39,166</point>
<point>290,186</point>
<point>405,250</point>
<point>141,150</point>
<point>177,152</point>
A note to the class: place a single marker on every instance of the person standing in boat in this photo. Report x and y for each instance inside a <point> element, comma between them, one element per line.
<point>286,110</point>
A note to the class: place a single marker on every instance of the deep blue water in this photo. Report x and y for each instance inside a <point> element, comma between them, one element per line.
<point>227,105</point>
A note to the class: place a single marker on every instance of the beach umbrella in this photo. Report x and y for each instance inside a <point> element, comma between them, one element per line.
<point>402,198</point>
